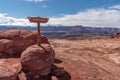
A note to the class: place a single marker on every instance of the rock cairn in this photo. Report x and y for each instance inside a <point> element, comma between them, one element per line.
<point>22,59</point>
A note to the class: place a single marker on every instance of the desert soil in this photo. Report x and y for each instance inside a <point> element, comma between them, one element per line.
<point>89,59</point>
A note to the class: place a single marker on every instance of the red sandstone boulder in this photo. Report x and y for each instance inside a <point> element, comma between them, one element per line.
<point>15,41</point>
<point>9,69</point>
<point>116,35</point>
<point>37,57</point>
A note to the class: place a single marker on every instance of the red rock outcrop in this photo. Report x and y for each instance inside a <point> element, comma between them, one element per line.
<point>13,42</point>
<point>117,35</point>
<point>33,62</point>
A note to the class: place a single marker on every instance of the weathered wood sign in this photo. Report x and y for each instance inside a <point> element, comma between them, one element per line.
<point>38,20</point>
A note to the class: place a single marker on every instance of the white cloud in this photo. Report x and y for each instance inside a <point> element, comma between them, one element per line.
<point>35,0</point>
<point>115,7</point>
<point>6,20</point>
<point>101,17</point>
<point>44,6</point>
<point>92,17</point>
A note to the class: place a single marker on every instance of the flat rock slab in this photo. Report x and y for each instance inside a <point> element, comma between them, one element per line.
<point>9,68</point>
<point>89,59</point>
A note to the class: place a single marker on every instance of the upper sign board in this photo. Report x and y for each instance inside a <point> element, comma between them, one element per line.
<point>38,19</point>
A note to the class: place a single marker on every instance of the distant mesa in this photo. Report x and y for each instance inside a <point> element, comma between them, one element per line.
<point>70,32</point>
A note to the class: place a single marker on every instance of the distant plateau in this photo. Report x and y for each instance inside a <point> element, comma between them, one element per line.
<point>70,32</point>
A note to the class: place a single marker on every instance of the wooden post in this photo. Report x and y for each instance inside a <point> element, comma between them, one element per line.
<point>38,20</point>
<point>39,34</point>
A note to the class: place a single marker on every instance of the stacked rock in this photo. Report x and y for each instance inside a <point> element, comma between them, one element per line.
<point>22,59</point>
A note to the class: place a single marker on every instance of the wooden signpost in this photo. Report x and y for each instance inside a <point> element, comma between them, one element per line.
<point>38,20</point>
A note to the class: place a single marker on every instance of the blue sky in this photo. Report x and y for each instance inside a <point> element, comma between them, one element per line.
<point>97,13</point>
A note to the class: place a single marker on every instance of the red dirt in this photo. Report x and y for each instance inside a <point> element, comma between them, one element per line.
<point>89,59</point>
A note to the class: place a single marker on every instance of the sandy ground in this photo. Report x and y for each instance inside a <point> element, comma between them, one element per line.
<point>89,59</point>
